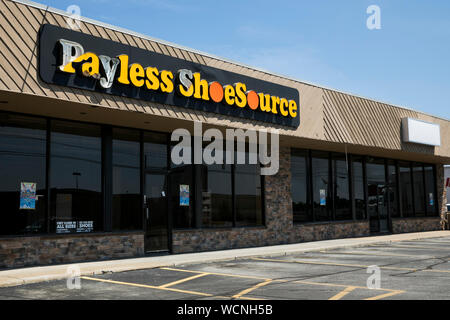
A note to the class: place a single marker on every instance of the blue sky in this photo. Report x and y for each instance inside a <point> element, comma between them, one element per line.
<point>406,62</point>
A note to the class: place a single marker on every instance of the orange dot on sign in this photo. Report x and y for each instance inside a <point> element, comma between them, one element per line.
<point>216,91</point>
<point>252,99</point>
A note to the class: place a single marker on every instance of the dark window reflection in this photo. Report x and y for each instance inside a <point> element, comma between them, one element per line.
<point>22,159</point>
<point>155,151</point>
<point>156,207</point>
<point>126,207</point>
<point>76,192</point>
<point>182,196</point>
<point>299,186</point>
<point>377,194</point>
<point>341,192</point>
<point>182,193</point>
<point>321,186</point>
<point>419,190</point>
<point>217,210</point>
<point>358,188</point>
<point>392,189</point>
<point>248,194</point>
<point>430,188</point>
<point>406,189</point>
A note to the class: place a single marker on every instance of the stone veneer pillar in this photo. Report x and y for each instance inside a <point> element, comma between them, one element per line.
<point>441,195</point>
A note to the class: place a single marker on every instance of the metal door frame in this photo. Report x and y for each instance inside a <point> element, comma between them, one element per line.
<point>386,199</point>
<point>164,172</point>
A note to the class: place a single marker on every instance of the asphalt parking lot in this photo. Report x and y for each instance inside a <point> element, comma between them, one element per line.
<point>415,269</point>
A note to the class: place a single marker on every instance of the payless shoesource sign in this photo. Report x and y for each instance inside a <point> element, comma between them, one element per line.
<point>75,59</point>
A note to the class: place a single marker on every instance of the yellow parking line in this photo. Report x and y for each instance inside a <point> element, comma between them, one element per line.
<point>326,284</point>
<point>248,298</point>
<point>343,293</point>
<point>350,265</point>
<point>372,254</point>
<point>405,246</point>
<point>246,291</point>
<point>216,274</point>
<point>165,289</point>
<point>278,280</point>
<point>183,280</point>
<point>312,262</point>
<point>147,286</point>
<point>385,295</point>
<point>240,295</point>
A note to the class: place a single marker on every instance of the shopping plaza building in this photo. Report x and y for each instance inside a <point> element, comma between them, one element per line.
<point>86,173</point>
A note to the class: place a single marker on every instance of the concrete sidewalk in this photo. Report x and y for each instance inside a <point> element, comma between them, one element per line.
<point>22,276</point>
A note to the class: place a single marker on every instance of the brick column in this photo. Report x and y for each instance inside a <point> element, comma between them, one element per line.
<point>278,200</point>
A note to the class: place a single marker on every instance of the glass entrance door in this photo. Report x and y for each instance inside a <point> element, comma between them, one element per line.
<point>156,213</point>
<point>377,196</point>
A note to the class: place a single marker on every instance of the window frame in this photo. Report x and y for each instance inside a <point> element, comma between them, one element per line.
<point>398,191</point>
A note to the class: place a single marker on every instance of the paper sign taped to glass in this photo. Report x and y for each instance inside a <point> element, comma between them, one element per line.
<point>184,195</point>
<point>28,195</point>
<point>323,197</point>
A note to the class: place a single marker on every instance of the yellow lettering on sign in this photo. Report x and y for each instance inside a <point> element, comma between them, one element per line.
<point>89,67</point>
<point>264,102</point>
<point>283,105</point>
<point>241,97</point>
<point>123,78</point>
<point>187,84</point>
<point>229,94</point>
<point>186,93</point>
<point>275,101</point>
<point>137,75</point>
<point>166,81</point>
<point>152,81</point>
<point>292,108</point>
<point>200,85</point>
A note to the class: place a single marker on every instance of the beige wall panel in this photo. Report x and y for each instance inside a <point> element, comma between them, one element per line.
<point>7,81</point>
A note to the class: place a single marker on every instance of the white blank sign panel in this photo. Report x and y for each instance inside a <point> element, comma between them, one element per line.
<point>418,131</point>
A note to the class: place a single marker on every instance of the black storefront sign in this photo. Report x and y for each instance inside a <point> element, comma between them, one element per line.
<point>50,59</point>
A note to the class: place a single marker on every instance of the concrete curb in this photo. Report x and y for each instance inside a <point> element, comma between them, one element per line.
<point>30,275</point>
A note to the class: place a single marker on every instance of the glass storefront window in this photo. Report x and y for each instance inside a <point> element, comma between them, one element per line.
<point>358,188</point>
<point>405,187</point>
<point>217,196</point>
<point>377,194</point>
<point>299,186</point>
<point>430,190</point>
<point>341,188</point>
<point>126,206</point>
<point>247,186</point>
<point>200,195</point>
<point>76,171</point>
<point>22,171</point>
<point>321,186</point>
<point>419,190</point>
<point>392,189</point>
<point>183,196</point>
<point>181,183</point>
<point>155,151</point>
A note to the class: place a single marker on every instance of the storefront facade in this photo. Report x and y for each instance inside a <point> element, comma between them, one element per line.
<point>85,154</point>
